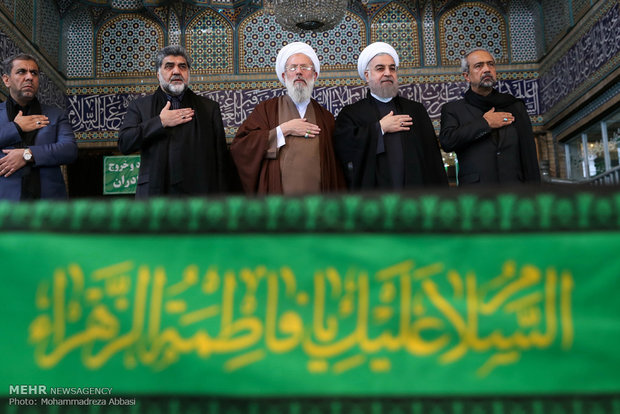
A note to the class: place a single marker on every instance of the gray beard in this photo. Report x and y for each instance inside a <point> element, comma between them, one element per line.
<point>488,83</point>
<point>299,93</point>
<point>385,91</point>
<point>172,89</point>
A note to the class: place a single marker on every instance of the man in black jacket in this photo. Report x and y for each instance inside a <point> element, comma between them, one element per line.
<point>386,141</point>
<point>180,135</point>
<point>490,131</point>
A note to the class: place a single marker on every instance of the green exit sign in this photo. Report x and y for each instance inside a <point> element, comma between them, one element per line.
<point>120,174</point>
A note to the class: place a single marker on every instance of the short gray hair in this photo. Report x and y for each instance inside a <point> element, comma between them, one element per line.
<point>7,64</point>
<point>465,64</point>
<point>172,50</point>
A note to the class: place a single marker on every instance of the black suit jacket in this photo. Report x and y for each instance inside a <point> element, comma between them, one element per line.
<point>176,156</point>
<point>483,159</point>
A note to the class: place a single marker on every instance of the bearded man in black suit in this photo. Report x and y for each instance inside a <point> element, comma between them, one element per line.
<point>490,131</point>
<point>180,136</point>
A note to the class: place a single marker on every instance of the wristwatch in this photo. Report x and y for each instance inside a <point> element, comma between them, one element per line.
<point>27,154</point>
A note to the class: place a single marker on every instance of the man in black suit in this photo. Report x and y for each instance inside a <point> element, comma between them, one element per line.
<point>386,141</point>
<point>490,131</point>
<point>179,134</point>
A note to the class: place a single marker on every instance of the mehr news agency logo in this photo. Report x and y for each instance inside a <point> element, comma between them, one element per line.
<point>43,395</point>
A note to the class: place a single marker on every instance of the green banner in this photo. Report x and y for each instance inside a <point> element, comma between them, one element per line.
<point>120,174</point>
<point>447,302</point>
<point>311,314</point>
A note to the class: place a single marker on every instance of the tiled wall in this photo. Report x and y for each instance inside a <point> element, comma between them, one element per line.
<point>228,42</point>
<point>578,66</point>
<point>107,57</point>
<point>127,43</point>
<point>78,33</point>
<point>525,20</point>
<point>474,25</point>
<point>96,117</point>
<point>235,50</point>
<point>47,30</point>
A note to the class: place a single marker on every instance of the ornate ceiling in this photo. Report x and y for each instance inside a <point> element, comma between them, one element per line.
<point>106,7</point>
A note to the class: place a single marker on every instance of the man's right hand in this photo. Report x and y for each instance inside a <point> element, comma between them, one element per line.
<point>173,117</point>
<point>300,127</point>
<point>395,123</point>
<point>29,123</point>
<point>498,119</point>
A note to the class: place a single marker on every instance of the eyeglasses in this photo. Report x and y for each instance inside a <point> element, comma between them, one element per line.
<point>293,68</point>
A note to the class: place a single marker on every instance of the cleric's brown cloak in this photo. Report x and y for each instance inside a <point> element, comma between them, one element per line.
<point>254,150</point>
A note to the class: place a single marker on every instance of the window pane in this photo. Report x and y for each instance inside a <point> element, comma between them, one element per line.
<point>596,151</point>
<point>613,136</point>
<point>577,166</point>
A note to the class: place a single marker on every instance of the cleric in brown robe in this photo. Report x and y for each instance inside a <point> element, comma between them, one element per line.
<point>285,145</point>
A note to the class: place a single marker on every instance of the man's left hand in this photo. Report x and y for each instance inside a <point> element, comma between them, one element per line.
<point>12,161</point>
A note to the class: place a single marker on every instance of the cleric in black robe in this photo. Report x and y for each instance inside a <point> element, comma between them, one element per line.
<point>490,132</point>
<point>180,136</point>
<point>386,141</point>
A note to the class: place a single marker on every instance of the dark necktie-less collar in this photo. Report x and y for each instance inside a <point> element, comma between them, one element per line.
<point>175,101</point>
<point>495,100</point>
<point>13,108</point>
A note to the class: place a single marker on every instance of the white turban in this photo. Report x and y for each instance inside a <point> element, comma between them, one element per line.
<point>293,49</point>
<point>370,52</point>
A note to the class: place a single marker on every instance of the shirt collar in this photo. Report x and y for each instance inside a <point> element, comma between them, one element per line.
<point>384,100</point>
<point>302,107</point>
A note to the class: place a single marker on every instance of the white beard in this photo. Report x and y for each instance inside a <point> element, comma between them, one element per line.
<point>299,93</point>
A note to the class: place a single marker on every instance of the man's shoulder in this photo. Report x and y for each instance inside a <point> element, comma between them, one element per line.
<point>51,110</point>
<point>141,100</point>
<point>357,105</point>
<point>208,103</point>
<point>411,103</point>
<point>453,105</point>
<point>519,104</point>
<point>202,98</point>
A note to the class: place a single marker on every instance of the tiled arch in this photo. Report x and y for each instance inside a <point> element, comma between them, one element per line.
<point>471,25</point>
<point>261,37</point>
<point>210,43</point>
<point>127,44</point>
<point>395,25</point>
